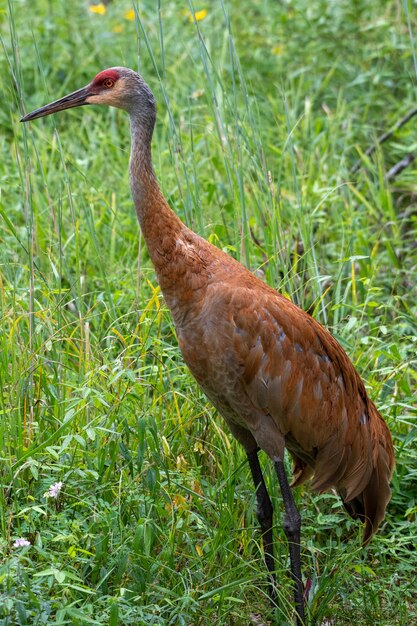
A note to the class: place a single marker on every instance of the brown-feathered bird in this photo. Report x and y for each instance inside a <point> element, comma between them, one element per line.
<point>279,379</point>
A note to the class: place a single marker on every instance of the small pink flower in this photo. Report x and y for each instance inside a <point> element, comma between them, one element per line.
<point>53,491</point>
<point>21,543</point>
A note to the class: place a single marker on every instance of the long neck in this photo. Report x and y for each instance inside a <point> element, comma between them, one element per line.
<point>160,226</point>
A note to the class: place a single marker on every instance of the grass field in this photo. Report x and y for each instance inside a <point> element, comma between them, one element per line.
<point>264,107</point>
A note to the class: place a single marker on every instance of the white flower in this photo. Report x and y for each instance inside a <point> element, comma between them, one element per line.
<point>21,543</point>
<point>54,490</point>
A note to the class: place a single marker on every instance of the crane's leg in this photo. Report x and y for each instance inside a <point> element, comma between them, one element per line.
<point>264,514</point>
<point>292,529</point>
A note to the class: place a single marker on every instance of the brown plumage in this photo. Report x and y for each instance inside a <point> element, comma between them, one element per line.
<point>279,379</point>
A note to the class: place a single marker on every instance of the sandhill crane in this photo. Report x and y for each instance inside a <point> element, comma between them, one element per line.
<point>279,379</point>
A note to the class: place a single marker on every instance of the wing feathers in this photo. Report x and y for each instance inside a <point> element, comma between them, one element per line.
<point>298,374</point>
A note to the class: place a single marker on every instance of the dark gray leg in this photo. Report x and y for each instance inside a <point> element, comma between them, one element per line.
<point>264,514</point>
<point>292,529</point>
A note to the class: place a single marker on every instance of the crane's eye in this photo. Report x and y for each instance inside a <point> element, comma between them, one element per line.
<point>108,83</point>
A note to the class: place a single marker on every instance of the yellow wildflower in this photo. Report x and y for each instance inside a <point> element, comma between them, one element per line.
<point>277,50</point>
<point>98,9</point>
<point>118,28</point>
<point>129,15</point>
<point>198,15</point>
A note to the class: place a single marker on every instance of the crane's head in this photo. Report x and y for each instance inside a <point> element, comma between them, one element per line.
<point>117,86</point>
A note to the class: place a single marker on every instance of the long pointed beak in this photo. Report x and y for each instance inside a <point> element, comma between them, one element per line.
<point>74,99</point>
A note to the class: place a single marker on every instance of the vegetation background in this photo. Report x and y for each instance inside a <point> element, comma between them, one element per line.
<point>264,108</point>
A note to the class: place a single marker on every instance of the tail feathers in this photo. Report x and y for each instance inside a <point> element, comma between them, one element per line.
<point>359,466</point>
<point>369,506</point>
<point>376,495</point>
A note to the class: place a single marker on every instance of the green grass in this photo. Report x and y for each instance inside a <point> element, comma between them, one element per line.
<point>263,109</point>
